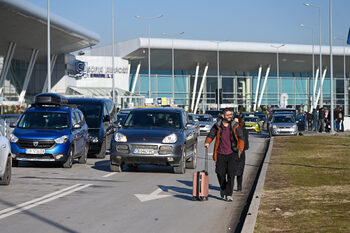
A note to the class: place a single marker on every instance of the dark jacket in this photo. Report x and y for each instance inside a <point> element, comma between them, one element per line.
<point>237,137</point>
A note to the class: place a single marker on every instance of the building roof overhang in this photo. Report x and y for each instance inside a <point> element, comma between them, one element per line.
<point>26,25</point>
<point>234,56</point>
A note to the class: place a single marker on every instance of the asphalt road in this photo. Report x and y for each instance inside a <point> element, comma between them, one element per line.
<point>89,198</point>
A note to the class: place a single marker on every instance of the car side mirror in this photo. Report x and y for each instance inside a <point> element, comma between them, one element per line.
<point>76,126</point>
<point>106,118</point>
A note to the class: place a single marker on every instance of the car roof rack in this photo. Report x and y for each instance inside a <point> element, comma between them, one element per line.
<point>49,99</point>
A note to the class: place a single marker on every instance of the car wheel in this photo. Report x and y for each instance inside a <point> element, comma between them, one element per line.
<point>7,175</point>
<point>102,153</point>
<point>83,157</point>
<point>69,161</point>
<point>181,169</point>
<point>193,162</point>
<point>116,168</point>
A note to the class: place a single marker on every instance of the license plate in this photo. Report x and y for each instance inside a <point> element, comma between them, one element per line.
<point>143,151</point>
<point>35,151</point>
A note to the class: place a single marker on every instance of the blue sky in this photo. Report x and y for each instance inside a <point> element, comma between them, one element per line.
<point>271,21</point>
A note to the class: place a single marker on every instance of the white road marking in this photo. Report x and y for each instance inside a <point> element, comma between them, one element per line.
<point>41,200</point>
<point>109,174</point>
<point>152,196</point>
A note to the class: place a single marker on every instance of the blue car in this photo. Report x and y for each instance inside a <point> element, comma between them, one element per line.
<point>50,131</point>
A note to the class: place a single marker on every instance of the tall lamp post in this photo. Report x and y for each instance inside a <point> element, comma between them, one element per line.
<point>321,69</point>
<point>218,72</point>
<point>173,62</point>
<point>331,62</point>
<point>344,44</point>
<point>278,70</point>
<point>313,62</point>
<point>113,87</point>
<point>149,48</point>
<point>48,49</point>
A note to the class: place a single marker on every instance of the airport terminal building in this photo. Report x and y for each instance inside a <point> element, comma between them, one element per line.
<point>194,74</point>
<point>246,73</point>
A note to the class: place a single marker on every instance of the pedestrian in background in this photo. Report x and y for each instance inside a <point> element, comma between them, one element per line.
<point>229,143</point>
<point>321,119</point>
<point>239,162</point>
<point>315,120</point>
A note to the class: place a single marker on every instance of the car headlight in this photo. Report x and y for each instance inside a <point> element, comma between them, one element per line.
<point>294,126</point>
<point>13,138</point>
<point>119,137</point>
<point>274,126</point>
<point>207,126</point>
<point>62,139</point>
<point>172,138</point>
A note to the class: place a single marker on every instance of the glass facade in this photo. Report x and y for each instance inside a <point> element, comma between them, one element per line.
<point>239,91</point>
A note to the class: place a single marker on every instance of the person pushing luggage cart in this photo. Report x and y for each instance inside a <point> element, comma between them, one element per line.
<point>229,143</point>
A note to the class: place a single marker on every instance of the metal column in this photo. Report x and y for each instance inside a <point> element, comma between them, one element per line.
<point>195,86</point>
<point>7,64</point>
<point>320,88</point>
<point>201,88</point>
<point>28,75</point>
<point>257,88</point>
<point>264,85</point>
<point>53,62</point>
<point>136,78</point>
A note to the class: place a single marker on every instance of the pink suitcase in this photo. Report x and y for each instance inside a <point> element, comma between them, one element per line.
<point>201,182</point>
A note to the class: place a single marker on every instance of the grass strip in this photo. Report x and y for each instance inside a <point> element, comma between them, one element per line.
<point>307,186</point>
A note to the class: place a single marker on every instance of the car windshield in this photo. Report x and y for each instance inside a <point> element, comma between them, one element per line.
<point>204,118</point>
<point>283,119</point>
<point>150,119</point>
<point>44,120</point>
<point>261,116</point>
<point>92,114</point>
<point>121,118</point>
<point>251,119</point>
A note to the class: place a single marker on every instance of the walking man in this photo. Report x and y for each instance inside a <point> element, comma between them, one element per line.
<point>229,143</point>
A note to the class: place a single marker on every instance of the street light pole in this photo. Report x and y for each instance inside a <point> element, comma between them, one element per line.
<point>149,48</point>
<point>321,68</point>
<point>278,71</point>
<point>313,63</point>
<point>113,87</point>
<point>48,48</point>
<point>345,105</point>
<point>218,74</point>
<point>331,62</point>
<point>173,62</point>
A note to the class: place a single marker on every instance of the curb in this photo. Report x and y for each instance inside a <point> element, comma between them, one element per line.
<point>250,220</point>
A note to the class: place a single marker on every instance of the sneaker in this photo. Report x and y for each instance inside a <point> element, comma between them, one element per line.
<point>229,198</point>
<point>222,193</point>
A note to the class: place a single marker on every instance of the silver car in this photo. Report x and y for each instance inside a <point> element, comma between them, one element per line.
<point>5,161</point>
<point>206,121</point>
<point>283,124</point>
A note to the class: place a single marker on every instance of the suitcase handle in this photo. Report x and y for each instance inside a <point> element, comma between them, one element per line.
<point>206,160</point>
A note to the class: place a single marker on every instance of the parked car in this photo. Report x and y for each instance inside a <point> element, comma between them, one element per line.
<point>263,119</point>
<point>5,161</point>
<point>100,115</point>
<point>206,121</point>
<point>194,121</point>
<point>253,123</point>
<point>158,136</point>
<point>50,131</point>
<point>215,113</point>
<point>283,124</point>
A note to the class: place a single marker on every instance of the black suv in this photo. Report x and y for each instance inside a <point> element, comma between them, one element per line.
<point>100,115</point>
